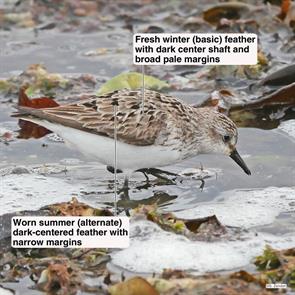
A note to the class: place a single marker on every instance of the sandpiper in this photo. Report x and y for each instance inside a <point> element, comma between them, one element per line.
<point>164,132</point>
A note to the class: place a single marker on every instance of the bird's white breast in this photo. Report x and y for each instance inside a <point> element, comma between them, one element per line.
<point>129,157</point>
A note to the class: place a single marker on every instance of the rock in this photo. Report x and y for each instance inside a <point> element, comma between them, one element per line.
<point>20,170</point>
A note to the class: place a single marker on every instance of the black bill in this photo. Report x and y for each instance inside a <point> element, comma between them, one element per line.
<point>237,158</point>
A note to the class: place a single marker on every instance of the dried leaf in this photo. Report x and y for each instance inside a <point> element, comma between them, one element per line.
<point>4,86</point>
<point>174,286</point>
<point>86,8</point>
<point>41,79</point>
<point>6,136</point>
<point>227,101</point>
<point>76,208</point>
<point>283,76</point>
<point>200,228</point>
<point>134,286</point>
<point>222,100</point>
<point>288,13</point>
<point>31,130</point>
<point>200,225</point>
<point>36,103</point>
<point>285,7</point>
<point>56,277</point>
<point>194,23</point>
<point>229,10</point>
<point>23,19</point>
<point>168,274</point>
<point>96,52</point>
<point>154,29</point>
<point>282,97</point>
<point>243,275</point>
<point>237,283</point>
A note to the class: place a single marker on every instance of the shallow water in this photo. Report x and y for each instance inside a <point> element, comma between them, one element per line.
<point>263,202</point>
<point>64,52</point>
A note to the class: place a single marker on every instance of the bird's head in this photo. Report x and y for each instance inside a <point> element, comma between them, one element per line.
<point>223,136</point>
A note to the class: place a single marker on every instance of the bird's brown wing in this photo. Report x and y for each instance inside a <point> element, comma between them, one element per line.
<point>96,115</point>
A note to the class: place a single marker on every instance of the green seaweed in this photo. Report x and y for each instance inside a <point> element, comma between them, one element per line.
<point>131,80</point>
<point>268,260</point>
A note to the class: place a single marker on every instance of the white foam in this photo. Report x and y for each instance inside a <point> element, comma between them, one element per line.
<point>5,291</point>
<point>30,192</point>
<point>288,127</point>
<point>152,249</point>
<point>246,208</point>
<point>54,137</point>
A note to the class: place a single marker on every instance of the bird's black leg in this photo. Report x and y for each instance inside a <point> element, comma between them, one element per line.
<point>202,183</point>
<point>146,176</point>
<point>126,183</point>
<point>153,171</point>
<point>125,191</point>
<point>156,170</point>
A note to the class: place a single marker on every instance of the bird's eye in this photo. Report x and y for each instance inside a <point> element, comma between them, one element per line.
<point>226,138</point>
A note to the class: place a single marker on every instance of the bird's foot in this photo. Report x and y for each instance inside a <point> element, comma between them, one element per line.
<point>158,173</point>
